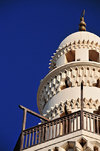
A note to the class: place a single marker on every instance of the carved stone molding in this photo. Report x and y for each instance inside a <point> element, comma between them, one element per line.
<point>73,46</point>
<point>58,109</point>
<point>55,81</point>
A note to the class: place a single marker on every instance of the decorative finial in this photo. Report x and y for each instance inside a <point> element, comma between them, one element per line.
<point>82,25</point>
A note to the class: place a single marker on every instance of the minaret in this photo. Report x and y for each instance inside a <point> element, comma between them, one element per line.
<point>76,60</point>
<point>69,96</point>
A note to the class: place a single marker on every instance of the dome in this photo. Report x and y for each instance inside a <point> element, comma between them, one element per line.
<point>80,35</point>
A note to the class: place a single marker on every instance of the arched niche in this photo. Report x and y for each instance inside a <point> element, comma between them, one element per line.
<point>97,84</point>
<point>93,55</point>
<point>67,83</point>
<point>70,56</point>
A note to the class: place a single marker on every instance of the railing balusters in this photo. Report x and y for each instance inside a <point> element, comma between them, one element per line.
<point>66,125</point>
<point>60,131</point>
<point>90,122</point>
<point>29,139</point>
<point>61,126</point>
<point>69,124</point>
<point>83,120</point>
<point>45,132</point>
<point>52,129</point>
<point>49,130</point>
<point>26,140</point>
<point>36,136</point>
<point>56,129</point>
<point>22,140</point>
<point>94,124</point>
<point>39,140</point>
<point>76,122</point>
<point>73,123</point>
<point>32,137</point>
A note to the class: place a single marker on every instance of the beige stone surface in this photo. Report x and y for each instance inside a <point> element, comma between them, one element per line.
<point>76,60</point>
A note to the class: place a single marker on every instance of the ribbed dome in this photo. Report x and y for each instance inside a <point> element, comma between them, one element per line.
<point>82,35</point>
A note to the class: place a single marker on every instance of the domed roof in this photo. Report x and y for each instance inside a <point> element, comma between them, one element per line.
<point>80,35</point>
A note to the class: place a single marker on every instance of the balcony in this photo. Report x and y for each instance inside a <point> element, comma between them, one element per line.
<point>80,120</point>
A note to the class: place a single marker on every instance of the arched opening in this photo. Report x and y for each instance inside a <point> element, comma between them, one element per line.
<point>97,84</point>
<point>67,84</point>
<point>66,112</point>
<point>70,56</point>
<point>93,55</point>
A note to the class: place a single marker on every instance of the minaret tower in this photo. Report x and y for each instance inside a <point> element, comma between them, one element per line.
<point>69,96</point>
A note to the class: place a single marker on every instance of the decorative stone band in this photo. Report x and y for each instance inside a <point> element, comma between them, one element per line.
<point>72,105</point>
<point>54,82</point>
<point>73,46</point>
<point>89,144</point>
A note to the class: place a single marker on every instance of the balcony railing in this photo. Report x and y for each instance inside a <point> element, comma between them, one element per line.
<point>59,127</point>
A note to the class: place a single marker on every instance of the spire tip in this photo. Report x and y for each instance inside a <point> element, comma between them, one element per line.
<point>82,25</point>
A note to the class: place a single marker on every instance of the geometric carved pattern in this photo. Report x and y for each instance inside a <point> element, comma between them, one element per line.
<point>72,104</point>
<point>72,46</point>
<point>76,145</point>
<point>88,74</point>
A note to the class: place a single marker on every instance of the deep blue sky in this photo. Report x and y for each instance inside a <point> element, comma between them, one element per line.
<point>30,32</point>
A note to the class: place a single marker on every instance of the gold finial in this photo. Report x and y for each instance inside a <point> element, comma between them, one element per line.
<point>82,25</point>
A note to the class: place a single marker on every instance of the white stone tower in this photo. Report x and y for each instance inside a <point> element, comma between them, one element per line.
<point>69,96</point>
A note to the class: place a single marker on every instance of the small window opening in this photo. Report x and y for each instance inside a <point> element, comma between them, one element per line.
<point>70,56</point>
<point>97,84</point>
<point>93,55</point>
<point>67,84</point>
<point>66,112</point>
